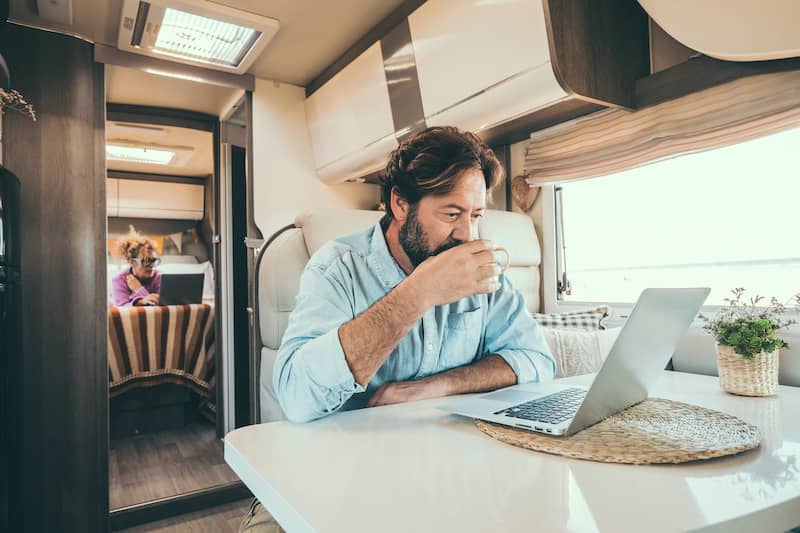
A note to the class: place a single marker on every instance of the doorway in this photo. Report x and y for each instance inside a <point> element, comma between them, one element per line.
<point>173,391</point>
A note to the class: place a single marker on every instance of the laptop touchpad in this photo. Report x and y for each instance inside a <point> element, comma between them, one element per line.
<point>509,396</point>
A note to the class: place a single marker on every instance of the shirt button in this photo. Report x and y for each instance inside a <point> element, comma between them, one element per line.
<point>430,347</point>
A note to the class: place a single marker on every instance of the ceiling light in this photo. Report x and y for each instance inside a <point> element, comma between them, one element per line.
<point>139,154</point>
<point>176,75</point>
<point>197,32</point>
<point>136,151</point>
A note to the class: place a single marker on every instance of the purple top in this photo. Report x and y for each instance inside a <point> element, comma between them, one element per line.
<point>123,296</point>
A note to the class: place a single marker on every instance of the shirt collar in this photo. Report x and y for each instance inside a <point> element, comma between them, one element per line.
<point>381,260</point>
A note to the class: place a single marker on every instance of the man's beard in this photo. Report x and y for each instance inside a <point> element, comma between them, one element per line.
<point>414,240</point>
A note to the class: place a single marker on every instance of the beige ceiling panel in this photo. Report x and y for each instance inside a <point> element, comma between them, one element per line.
<point>129,86</point>
<point>312,35</point>
<point>200,163</point>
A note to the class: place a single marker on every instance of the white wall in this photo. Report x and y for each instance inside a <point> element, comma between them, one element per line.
<point>284,180</point>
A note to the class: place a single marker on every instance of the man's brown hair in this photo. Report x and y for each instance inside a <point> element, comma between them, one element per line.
<point>430,163</point>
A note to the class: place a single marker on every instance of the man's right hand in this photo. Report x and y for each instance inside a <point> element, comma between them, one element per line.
<point>464,270</point>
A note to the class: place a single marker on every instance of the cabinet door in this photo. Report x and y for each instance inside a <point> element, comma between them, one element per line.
<point>350,111</point>
<point>153,199</point>
<point>463,47</point>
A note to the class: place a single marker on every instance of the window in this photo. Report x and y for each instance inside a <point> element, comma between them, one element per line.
<point>724,218</point>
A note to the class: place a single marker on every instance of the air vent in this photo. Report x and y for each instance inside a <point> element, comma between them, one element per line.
<point>195,33</point>
<point>118,129</point>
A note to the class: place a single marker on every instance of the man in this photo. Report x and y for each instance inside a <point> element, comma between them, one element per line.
<point>413,307</point>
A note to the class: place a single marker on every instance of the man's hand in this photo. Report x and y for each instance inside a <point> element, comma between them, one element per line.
<point>464,270</point>
<point>133,283</point>
<point>486,374</point>
<point>150,299</point>
<point>407,391</point>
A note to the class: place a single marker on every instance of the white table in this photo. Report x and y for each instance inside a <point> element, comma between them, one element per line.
<point>412,468</point>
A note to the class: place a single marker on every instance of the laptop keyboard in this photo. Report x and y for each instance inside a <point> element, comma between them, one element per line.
<point>552,409</point>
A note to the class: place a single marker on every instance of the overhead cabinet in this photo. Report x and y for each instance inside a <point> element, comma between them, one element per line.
<point>350,119</point>
<point>499,68</point>
<point>482,63</point>
<point>155,199</point>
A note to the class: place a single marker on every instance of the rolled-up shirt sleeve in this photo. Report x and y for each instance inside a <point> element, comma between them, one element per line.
<point>515,336</point>
<point>311,377</point>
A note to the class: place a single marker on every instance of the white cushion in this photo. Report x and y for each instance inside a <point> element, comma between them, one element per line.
<point>579,352</point>
<point>527,281</point>
<point>269,408</point>
<point>514,232</point>
<point>279,273</point>
<point>323,225</point>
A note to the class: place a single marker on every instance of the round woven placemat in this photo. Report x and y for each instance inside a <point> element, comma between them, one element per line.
<point>653,431</point>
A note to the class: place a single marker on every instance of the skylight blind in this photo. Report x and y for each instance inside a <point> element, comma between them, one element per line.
<point>190,36</point>
<point>616,140</point>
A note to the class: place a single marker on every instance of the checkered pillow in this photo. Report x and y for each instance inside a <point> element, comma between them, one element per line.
<point>589,320</point>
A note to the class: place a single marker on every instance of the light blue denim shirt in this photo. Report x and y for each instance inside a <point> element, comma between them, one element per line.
<point>343,279</point>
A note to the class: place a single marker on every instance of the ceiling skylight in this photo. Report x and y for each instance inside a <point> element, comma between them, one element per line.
<point>139,154</point>
<point>195,32</point>
<point>200,38</point>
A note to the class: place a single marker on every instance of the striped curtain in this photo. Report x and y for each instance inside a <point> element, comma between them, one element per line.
<point>615,140</point>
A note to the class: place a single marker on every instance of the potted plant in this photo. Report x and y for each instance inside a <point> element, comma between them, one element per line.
<point>748,343</point>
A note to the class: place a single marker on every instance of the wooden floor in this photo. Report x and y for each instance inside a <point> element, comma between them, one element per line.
<point>158,465</point>
<point>221,519</point>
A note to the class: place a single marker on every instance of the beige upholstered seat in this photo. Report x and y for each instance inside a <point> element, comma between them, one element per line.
<point>282,261</point>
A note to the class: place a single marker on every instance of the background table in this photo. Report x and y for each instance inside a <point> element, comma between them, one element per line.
<point>413,468</point>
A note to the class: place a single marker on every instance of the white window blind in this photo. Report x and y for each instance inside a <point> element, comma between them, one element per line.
<point>617,140</point>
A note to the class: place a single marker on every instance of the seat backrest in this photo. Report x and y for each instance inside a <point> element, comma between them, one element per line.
<point>282,261</point>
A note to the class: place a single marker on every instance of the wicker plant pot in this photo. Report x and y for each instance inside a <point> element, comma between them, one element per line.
<point>747,377</point>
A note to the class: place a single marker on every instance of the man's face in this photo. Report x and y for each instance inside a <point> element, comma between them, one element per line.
<point>438,223</point>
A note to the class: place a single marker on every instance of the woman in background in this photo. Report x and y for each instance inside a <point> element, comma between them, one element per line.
<point>138,284</point>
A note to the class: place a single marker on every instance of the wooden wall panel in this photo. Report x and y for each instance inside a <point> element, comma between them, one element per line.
<point>599,48</point>
<point>61,164</point>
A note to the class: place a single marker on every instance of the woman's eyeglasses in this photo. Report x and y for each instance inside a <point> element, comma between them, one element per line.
<point>147,261</point>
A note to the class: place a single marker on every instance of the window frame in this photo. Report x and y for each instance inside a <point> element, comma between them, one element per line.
<point>620,310</point>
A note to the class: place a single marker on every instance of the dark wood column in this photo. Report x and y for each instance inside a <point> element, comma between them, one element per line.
<point>60,161</point>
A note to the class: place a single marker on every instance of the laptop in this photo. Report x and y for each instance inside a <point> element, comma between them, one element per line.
<point>180,289</point>
<point>636,360</point>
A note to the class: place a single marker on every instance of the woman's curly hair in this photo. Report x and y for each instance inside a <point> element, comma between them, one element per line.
<point>430,162</point>
<point>134,244</point>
